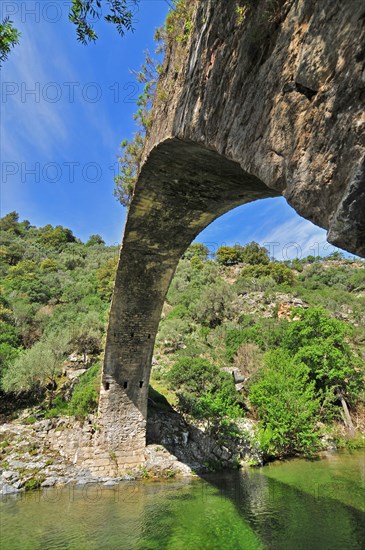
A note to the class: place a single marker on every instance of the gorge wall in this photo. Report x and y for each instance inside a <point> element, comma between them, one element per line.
<point>257,99</point>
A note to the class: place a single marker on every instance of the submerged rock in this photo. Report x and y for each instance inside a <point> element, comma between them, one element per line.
<point>6,489</point>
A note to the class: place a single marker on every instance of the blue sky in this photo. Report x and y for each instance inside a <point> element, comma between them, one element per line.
<point>66,108</point>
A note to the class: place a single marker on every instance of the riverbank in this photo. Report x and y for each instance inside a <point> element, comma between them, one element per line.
<point>44,453</point>
<point>39,455</point>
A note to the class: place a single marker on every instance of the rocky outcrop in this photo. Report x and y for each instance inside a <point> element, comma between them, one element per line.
<point>196,447</point>
<point>63,451</point>
<point>258,99</point>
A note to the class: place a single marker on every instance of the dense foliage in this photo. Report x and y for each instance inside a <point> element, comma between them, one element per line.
<point>287,405</point>
<point>300,371</point>
<point>54,300</point>
<point>252,254</point>
<point>205,392</point>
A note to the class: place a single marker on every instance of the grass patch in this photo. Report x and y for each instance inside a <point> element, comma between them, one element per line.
<point>34,483</point>
<point>85,396</point>
<point>30,420</point>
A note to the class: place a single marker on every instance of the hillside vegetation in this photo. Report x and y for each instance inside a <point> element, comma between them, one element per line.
<point>240,336</point>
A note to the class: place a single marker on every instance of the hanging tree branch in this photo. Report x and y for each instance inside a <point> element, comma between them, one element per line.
<point>120,15</point>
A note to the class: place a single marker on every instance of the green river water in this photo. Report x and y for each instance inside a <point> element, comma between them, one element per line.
<point>295,505</point>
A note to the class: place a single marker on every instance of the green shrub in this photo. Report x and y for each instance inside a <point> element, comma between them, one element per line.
<point>206,392</point>
<point>60,407</point>
<point>287,406</point>
<point>34,483</point>
<point>178,23</point>
<point>178,312</point>
<point>278,272</point>
<point>30,420</point>
<point>266,334</point>
<point>84,398</point>
<point>319,342</point>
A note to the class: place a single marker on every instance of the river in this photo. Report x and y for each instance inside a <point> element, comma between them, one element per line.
<point>296,504</point>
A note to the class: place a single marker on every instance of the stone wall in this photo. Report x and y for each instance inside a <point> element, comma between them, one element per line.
<point>84,445</point>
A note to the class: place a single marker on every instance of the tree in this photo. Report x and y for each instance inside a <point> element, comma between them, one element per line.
<point>205,392</point>
<point>320,343</point>
<point>12,251</point>
<point>56,237</point>
<point>105,276</point>
<point>229,255</point>
<point>196,250</point>
<point>286,404</point>
<point>10,223</point>
<point>214,304</point>
<point>95,240</point>
<point>336,255</point>
<point>254,254</point>
<point>8,335</point>
<point>86,335</point>
<point>9,37</point>
<point>82,10</point>
<point>8,355</point>
<point>172,333</point>
<point>37,367</point>
<point>311,259</point>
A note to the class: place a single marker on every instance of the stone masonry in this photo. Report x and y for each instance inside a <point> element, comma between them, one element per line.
<point>267,104</point>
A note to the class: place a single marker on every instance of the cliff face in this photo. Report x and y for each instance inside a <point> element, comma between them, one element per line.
<point>278,87</point>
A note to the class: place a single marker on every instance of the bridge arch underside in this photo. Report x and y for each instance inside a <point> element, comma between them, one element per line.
<point>182,188</point>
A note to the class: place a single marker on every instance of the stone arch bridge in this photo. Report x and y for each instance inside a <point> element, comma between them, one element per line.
<point>246,108</point>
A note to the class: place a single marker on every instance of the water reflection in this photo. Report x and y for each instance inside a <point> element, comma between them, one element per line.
<point>303,504</point>
<point>294,505</point>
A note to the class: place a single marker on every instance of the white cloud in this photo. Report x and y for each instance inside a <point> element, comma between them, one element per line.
<point>39,123</point>
<point>270,222</point>
<point>296,238</point>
